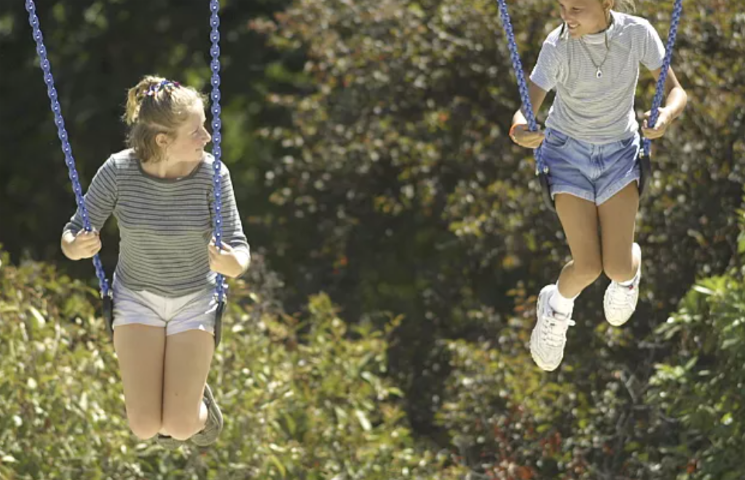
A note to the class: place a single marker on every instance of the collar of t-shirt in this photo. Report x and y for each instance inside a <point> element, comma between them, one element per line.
<point>599,38</point>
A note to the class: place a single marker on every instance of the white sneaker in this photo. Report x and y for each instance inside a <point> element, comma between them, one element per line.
<point>550,333</point>
<point>620,301</point>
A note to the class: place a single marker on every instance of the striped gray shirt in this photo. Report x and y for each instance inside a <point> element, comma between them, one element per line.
<point>597,110</point>
<point>165,225</point>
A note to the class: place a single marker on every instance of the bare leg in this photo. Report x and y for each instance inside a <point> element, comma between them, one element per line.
<point>188,357</point>
<point>579,218</point>
<point>140,349</point>
<point>617,221</point>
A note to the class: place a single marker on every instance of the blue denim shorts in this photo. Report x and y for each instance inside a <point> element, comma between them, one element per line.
<point>589,171</point>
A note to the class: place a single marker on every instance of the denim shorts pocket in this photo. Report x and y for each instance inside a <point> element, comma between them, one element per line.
<point>555,139</point>
<point>626,142</point>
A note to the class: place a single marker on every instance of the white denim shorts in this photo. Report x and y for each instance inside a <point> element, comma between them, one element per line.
<point>195,311</point>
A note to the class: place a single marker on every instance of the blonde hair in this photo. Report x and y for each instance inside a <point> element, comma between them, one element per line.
<point>156,106</point>
<point>624,6</point>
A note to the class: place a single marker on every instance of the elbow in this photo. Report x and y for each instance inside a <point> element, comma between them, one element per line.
<point>246,263</point>
<point>244,260</point>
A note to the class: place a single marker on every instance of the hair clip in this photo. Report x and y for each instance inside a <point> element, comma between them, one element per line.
<point>154,89</point>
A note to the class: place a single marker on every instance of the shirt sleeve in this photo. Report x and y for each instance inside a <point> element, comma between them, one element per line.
<point>232,228</point>
<point>547,70</point>
<point>99,200</point>
<point>653,51</point>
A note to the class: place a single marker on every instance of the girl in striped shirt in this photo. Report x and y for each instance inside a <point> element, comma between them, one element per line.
<point>160,190</point>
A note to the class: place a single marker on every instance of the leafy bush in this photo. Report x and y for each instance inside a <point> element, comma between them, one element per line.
<point>304,396</point>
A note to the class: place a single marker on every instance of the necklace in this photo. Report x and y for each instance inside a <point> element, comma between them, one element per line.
<point>599,68</point>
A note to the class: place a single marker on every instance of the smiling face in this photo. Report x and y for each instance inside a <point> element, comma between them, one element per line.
<point>188,142</point>
<point>584,17</point>
<point>166,121</point>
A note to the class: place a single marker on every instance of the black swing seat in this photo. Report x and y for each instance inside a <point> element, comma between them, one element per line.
<point>107,308</point>
<point>218,322</point>
<point>546,191</point>
<point>645,174</point>
<point>645,171</point>
<point>108,316</point>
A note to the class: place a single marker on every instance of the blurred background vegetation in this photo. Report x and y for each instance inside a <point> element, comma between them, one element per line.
<point>400,242</point>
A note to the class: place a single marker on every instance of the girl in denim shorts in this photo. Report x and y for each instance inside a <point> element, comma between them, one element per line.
<point>590,146</point>
<point>160,190</point>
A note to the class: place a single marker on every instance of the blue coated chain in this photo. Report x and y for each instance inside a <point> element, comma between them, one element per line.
<point>62,134</point>
<point>216,126</point>
<point>660,90</point>
<point>522,84</point>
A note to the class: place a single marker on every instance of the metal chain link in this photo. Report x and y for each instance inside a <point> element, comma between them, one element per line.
<point>660,90</point>
<point>216,133</point>
<point>62,134</point>
<point>523,86</point>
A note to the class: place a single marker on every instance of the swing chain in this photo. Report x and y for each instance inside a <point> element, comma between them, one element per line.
<point>216,133</point>
<point>46,67</point>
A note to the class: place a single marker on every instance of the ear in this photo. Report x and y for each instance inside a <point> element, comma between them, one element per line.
<point>162,140</point>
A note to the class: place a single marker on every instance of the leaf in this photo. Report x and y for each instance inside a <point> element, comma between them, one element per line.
<point>277,463</point>
<point>40,320</point>
<point>366,426</point>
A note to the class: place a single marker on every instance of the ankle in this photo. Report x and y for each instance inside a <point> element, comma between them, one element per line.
<point>561,304</point>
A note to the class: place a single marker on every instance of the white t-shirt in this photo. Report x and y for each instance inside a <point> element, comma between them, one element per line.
<point>597,110</point>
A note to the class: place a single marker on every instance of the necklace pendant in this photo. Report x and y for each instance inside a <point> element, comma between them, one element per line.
<point>599,73</point>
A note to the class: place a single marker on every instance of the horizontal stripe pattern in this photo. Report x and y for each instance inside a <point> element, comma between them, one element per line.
<point>597,110</point>
<point>165,225</point>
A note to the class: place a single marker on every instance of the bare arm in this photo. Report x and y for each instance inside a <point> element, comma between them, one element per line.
<point>675,102</point>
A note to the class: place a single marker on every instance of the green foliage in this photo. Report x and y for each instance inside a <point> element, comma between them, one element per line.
<point>410,198</point>
<point>304,396</point>
<point>367,142</point>
<point>701,386</point>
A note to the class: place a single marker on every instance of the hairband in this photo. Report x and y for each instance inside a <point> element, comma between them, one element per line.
<point>155,88</point>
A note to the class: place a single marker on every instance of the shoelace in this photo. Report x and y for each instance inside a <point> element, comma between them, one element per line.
<point>624,300</point>
<point>555,330</point>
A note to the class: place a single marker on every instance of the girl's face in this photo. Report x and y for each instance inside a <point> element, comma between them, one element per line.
<point>584,17</point>
<point>191,137</point>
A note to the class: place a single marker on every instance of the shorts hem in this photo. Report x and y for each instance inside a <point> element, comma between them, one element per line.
<point>202,327</point>
<point>617,187</point>
<point>575,192</point>
<point>118,322</point>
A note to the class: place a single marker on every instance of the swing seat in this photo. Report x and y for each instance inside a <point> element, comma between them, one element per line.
<point>107,307</point>
<point>645,171</point>
<point>218,322</point>
<point>546,191</point>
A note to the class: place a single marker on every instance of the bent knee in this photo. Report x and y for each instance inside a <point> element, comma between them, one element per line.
<point>144,428</point>
<point>619,271</point>
<point>181,429</point>
<point>588,271</point>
